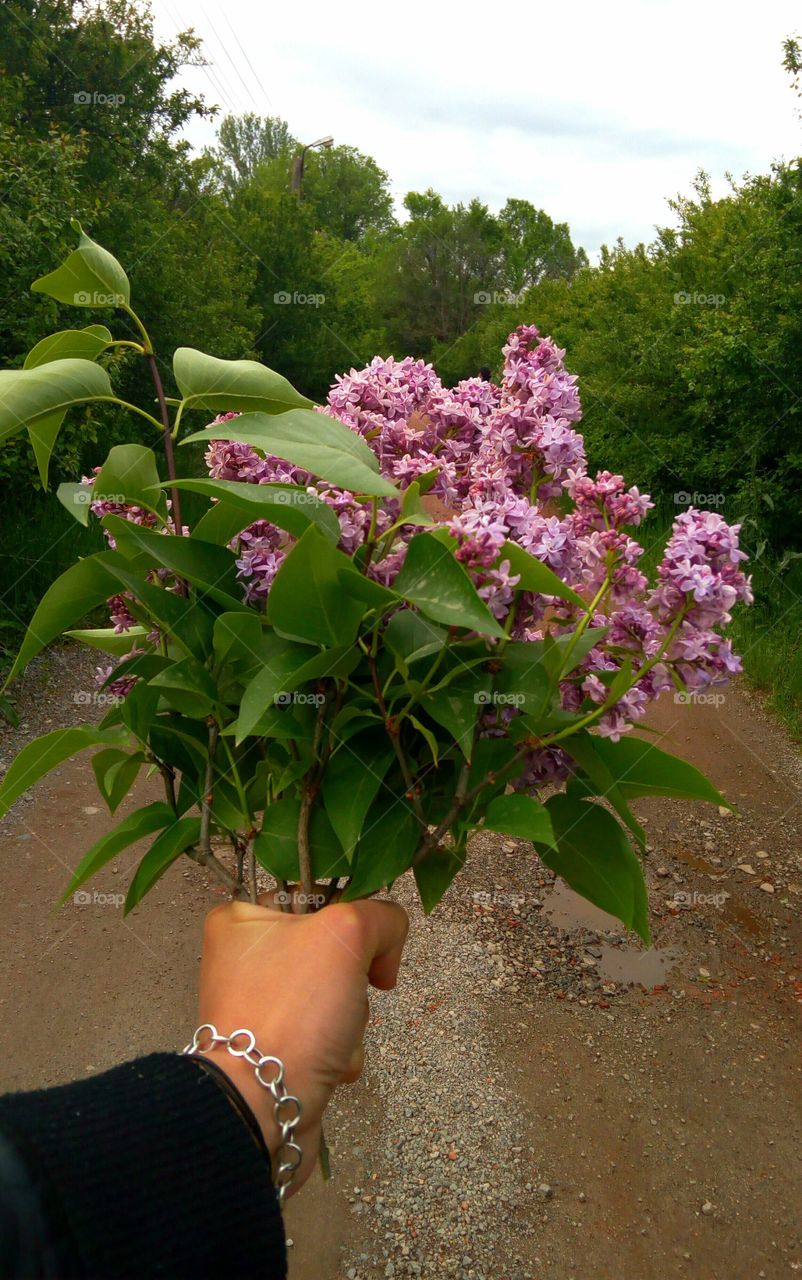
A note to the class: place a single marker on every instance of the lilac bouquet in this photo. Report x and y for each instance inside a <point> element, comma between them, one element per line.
<point>401,616</point>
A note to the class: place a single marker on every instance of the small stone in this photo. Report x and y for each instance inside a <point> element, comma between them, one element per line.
<point>761,853</point>
<point>767,887</point>
<point>582,1197</point>
<point>724,812</point>
<point>545,1190</point>
<point>662,872</point>
<point>509,846</point>
<point>707,1208</point>
<point>744,866</point>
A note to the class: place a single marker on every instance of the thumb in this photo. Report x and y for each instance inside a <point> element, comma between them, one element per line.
<point>382,928</point>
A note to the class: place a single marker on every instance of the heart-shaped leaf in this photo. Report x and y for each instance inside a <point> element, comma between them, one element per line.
<point>319,444</point>
<point>89,277</point>
<point>206,382</point>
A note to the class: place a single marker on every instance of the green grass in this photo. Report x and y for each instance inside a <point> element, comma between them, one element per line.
<point>767,635</point>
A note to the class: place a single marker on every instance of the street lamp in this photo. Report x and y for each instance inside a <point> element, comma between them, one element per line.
<point>297,176</point>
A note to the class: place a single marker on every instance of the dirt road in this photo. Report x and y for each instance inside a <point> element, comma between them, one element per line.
<point>525,1112</point>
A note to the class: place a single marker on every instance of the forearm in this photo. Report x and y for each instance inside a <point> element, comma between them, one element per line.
<point>149,1170</point>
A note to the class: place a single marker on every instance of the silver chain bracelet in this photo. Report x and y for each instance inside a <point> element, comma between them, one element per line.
<point>289,1154</point>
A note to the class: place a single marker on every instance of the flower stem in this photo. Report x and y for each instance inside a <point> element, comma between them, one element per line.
<point>167,436</point>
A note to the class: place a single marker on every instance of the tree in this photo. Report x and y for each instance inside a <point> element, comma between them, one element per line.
<point>536,248</point>
<point>347,191</point>
<point>244,143</point>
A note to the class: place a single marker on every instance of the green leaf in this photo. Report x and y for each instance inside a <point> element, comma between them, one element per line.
<point>284,673</point>
<point>521,816</point>
<point>43,754</point>
<point>180,835</point>
<point>90,277</point>
<point>523,681</point>
<point>352,719</point>
<point>428,736</point>
<point>82,587</point>
<point>225,386</point>
<point>241,638</point>
<point>70,344</point>
<point>288,506</point>
<point>554,653</point>
<point>205,565</point>
<point>130,474</point>
<point>188,687</point>
<point>437,584</point>
<point>108,640</point>
<point>276,846</point>
<point>537,576</point>
<point>310,440</point>
<point>29,395</point>
<point>386,850</point>
<point>642,769</point>
<point>456,707</point>
<point>115,773</point>
<point>188,622</point>
<point>134,826</point>
<point>412,637</point>
<point>584,749</point>
<point>433,875</point>
<point>596,860</point>
<point>373,594</point>
<point>307,602</point>
<point>351,783</point>
<point>137,709</point>
<point>76,498</point>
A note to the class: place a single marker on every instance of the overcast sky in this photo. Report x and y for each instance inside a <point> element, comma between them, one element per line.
<point>595,112</point>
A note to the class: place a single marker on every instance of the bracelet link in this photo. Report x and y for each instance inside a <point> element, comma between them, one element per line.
<point>289,1154</point>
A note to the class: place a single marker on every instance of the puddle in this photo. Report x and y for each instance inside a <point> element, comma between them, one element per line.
<point>648,968</point>
<point>732,908</point>
<point>630,964</point>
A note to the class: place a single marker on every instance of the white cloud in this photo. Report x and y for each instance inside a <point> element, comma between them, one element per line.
<point>596,113</point>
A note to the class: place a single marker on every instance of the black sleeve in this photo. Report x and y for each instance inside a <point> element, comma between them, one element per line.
<point>146,1170</point>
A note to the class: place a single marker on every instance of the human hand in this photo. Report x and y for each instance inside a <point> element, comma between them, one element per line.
<point>299,982</point>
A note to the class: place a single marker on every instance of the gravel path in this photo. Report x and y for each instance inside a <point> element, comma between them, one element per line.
<point>526,1113</point>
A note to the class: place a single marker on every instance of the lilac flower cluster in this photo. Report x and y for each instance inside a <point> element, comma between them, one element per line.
<point>492,459</point>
